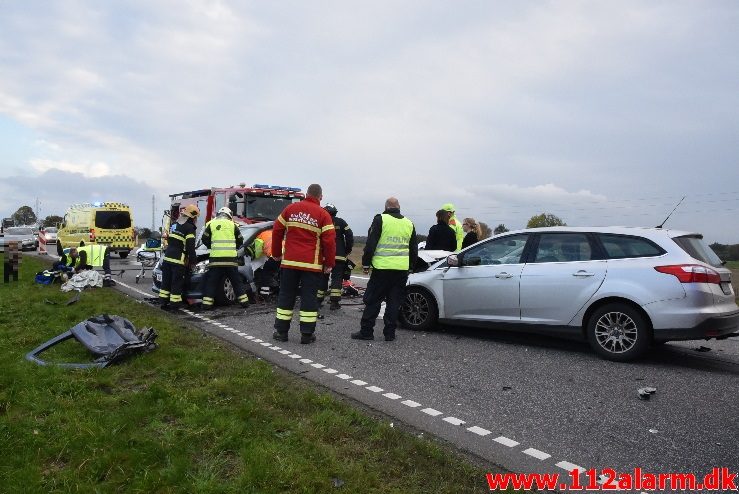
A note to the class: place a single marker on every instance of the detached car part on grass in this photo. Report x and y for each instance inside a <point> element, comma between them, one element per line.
<point>109,338</point>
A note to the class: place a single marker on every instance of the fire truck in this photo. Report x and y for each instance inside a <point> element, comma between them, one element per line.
<point>254,204</point>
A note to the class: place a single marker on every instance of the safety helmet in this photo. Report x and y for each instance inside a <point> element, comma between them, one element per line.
<point>226,211</point>
<point>448,207</point>
<point>191,211</point>
<point>331,209</point>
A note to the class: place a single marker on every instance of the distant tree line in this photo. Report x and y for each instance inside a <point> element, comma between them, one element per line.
<point>726,252</point>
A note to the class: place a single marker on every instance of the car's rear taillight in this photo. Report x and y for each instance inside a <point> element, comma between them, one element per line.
<point>691,273</point>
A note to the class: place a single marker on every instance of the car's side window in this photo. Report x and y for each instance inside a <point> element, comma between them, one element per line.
<point>624,246</point>
<point>504,250</point>
<point>563,247</point>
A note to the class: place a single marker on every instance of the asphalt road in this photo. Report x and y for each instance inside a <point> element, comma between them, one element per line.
<point>525,403</point>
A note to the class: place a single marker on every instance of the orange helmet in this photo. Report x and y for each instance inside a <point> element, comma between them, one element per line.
<point>191,211</point>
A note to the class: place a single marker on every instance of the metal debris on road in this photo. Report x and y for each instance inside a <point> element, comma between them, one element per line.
<point>646,392</point>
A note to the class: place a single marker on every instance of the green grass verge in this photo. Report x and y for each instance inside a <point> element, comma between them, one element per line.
<point>193,416</point>
<point>732,264</point>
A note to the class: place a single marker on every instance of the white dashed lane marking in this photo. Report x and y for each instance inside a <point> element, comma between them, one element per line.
<point>539,455</point>
<point>506,442</point>
<point>358,382</point>
<point>374,389</point>
<point>479,431</point>
<point>566,465</point>
<point>411,403</point>
<point>431,411</point>
<point>392,396</point>
<point>453,420</point>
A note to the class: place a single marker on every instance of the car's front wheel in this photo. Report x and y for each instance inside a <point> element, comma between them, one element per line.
<point>619,332</point>
<point>123,254</point>
<point>419,311</point>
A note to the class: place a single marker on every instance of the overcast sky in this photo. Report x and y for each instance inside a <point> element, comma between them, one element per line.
<point>603,113</point>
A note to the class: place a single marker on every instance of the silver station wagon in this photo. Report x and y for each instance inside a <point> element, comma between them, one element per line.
<point>623,289</point>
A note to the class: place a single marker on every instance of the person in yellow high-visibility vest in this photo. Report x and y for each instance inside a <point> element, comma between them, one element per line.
<point>223,237</point>
<point>391,250</point>
<point>454,224</point>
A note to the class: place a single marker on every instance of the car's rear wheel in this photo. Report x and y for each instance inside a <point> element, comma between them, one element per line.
<point>419,311</point>
<point>619,332</point>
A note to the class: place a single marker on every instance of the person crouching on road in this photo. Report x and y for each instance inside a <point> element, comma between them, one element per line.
<point>178,257</point>
<point>344,244</point>
<point>223,237</point>
<point>308,252</point>
<point>87,257</point>
<point>390,251</point>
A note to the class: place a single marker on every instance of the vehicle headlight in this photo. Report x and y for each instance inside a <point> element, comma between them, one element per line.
<point>200,268</point>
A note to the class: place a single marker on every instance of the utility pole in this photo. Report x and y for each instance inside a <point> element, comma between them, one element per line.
<point>153,209</point>
<point>38,211</point>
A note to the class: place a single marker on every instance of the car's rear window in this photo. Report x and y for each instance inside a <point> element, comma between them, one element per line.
<point>112,220</point>
<point>698,249</point>
<point>626,246</point>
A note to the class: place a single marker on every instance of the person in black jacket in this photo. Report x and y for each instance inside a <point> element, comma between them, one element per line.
<point>472,230</point>
<point>441,237</point>
<point>178,257</point>
<point>344,244</point>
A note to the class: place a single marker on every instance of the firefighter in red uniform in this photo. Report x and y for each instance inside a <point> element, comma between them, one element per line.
<point>308,251</point>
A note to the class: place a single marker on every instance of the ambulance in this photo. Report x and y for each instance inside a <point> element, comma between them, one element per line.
<point>102,223</point>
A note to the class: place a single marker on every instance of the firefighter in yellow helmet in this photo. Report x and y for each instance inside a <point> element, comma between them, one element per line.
<point>178,257</point>
<point>223,237</point>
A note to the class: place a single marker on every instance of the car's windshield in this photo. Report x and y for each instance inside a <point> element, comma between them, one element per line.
<point>19,231</point>
<point>51,229</point>
<point>697,248</point>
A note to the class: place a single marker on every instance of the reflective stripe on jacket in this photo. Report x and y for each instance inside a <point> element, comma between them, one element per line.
<point>393,248</point>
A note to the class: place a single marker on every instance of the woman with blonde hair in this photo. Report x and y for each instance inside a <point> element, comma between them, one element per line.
<point>472,230</point>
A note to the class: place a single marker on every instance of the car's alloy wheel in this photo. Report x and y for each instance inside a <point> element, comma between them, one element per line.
<point>618,332</point>
<point>418,310</point>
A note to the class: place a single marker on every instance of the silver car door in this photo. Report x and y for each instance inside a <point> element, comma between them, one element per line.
<point>560,279</point>
<point>486,286</point>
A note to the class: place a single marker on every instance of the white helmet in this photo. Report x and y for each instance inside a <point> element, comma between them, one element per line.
<point>226,211</point>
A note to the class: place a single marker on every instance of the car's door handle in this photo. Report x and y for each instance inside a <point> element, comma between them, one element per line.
<point>504,275</point>
<point>583,274</point>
